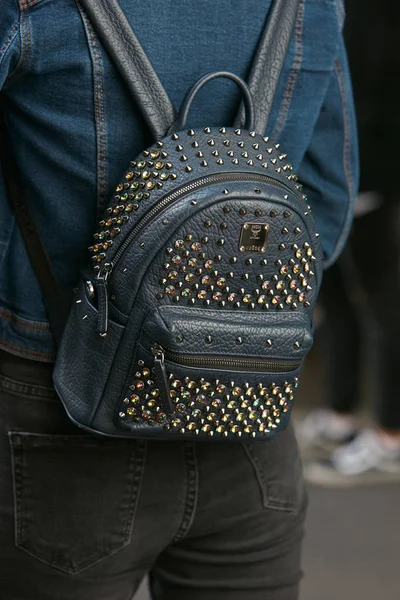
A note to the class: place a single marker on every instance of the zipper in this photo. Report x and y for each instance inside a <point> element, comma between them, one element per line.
<point>161,377</point>
<point>153,212</point>
<point>253,365</point>
<point>182,191</point>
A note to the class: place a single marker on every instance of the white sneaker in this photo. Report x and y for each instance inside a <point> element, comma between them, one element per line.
<point>320,432</point>
<point>365,460</point>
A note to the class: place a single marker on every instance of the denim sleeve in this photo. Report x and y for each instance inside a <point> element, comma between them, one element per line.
<point>329,170</point>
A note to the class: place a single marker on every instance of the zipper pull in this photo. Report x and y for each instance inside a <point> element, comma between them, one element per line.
<point>102,299</point>
<point>161,376</point>
<point>102,305</point>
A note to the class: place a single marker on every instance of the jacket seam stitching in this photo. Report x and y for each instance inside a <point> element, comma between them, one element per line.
<point>98,95</point>
<point>346,162</point>
<point>292,79</point>
<point>27,352</point>
<point>7,44</point>
<point>33,326</point>
<point>340,12</point>
<point>26,37</point>
<point>346,122</point>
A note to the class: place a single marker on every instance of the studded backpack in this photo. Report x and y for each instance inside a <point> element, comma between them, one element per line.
<point>194,317</point>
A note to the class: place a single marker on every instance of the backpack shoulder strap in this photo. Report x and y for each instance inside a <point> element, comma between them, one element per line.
<point>269,59</point>
<point>144,85</point>
<point>128,56</point>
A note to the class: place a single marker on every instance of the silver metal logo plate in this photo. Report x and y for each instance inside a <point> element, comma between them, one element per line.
<point>254,237</point>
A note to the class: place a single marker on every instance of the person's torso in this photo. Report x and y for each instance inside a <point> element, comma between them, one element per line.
<point>75,128</point>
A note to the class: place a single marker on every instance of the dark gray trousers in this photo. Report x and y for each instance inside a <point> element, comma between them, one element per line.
<point>84,518</point>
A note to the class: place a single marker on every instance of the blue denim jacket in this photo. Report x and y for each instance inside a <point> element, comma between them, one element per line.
<point>74,128</point>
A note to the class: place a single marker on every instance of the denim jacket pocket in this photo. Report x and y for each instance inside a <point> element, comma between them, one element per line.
<point>278,470</point>
<point>62,518</point>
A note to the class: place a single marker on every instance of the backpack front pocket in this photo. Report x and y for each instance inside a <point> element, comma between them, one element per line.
<point>198,374</point>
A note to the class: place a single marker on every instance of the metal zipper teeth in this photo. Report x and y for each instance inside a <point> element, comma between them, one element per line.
<point>243,364</point>
<point>195,185</point>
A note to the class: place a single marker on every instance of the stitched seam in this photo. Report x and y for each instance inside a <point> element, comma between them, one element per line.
<point>100,125</point>
<point>340,12</point>
<point>138,458</point>
<point>26,38</point>
<point>26,389</point>
<point>269,500</point>
<point>16,490</point>
<point>346,165</point>
<point>192,480</point>
<point>291,84</point>
<point>27,352</point>
<point>346,122</point>
<point>9,40</point>
<point>34,326</point>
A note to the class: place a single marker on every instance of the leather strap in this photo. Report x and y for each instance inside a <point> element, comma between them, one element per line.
<point>132,63</point>
<point>144,85</point>
<point>269,60</point>
<point>180,122</point>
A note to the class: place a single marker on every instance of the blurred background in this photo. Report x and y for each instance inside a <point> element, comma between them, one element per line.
<point>348,409</point>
